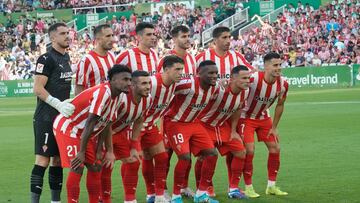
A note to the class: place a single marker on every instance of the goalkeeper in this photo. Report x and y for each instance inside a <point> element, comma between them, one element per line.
<point>52,84</point>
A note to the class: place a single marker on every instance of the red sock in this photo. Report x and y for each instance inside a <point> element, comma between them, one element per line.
<point>273,165</point>
<point>148,174</point>
<point>237,166</point>
<point>93,185</point>
<point>207,172</point>
<point>130,179</point>
<point>73,186</point>
<point>186,180</point>
<point>179,175</point>
<point>198,166</point>
<point>169,152</point>
<point>160,172</point>
<point>248,169</point>
<point>106,184</point>
<point>229,158</point>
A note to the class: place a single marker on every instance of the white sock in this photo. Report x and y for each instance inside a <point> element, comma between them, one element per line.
<point>175,196</point>
<point>55,202</point>
<point>233,189</point>
<point>149,195</point>
<point>200,192</point>
<point>247,186</point>
<point>271,183</point>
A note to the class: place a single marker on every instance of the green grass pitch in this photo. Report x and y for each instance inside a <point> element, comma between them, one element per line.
<point>320,140</point>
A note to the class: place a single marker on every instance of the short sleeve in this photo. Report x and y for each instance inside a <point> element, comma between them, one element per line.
<point>44,65</point>
<point>100,99</point>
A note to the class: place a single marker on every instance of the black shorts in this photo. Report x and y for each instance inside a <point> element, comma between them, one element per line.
<point>45,143</point>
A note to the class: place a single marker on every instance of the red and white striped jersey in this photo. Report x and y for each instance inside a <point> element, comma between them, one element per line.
<point>262,95</point>
<point>223,106</point>
<point>224,63</point>
<point>190,99</point>
<point>129,111</point>
<point>96,100</point>
<point>93,68</point>
<point>138,60</point>
<point>189,64</point>
<point>161,96</point>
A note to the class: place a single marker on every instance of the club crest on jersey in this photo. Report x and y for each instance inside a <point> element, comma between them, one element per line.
<point>39,67</point>
<point>44,147</point>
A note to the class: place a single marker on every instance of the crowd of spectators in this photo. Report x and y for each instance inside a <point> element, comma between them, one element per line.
<point>303,36</point>
<point>307,37</point>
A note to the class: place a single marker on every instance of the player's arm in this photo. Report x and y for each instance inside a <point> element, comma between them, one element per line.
<point>234,120</point>
<point>134,140</point>
<point>277,116</point>
<point>42,72</point>
<point>81,75</point>
<point>109,158</point>
<point>85,137</point>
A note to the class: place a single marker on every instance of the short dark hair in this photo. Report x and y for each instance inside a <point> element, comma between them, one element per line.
<point>142,26</point>
<point>219,30</point>
<point>118,68</point>
<point>140,73</point>
<point>271,55</point>
<point>55,26</point>
<point>98,29</point>
<point>205,63</point>
<point>181,28</point>
<point>239,68</point>
<point>170,60</point>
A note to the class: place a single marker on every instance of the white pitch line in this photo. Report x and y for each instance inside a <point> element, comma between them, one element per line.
<point>323,103</point>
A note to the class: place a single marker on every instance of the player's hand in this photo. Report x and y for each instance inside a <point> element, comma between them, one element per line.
<point>99,154</point>
<point>235,136</point>
<point>109,160</point>
<point>66,109</point>
<point>134,154</point>
<point>274,132</point>
<point>78,160</point>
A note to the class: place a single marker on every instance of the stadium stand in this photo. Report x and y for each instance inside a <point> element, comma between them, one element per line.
<point>303,36</point>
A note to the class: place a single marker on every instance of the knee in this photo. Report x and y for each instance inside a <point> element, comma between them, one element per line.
<point>42,161</point>
<point>186,157</point>
<point>94,168</point>
<point>209,152</point>
<point>274,148</point>
<point>55,161</point>
<point>250,149</point>
<point>240,154</point>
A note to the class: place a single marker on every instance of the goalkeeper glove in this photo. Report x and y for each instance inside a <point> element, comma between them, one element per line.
<point>65,108</point>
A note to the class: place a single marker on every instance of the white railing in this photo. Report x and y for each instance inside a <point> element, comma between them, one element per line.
<point>271,17</point>
<point>230,22</point>
<point>70,24</point>
<point>89,27</point>
<point>110,8</point>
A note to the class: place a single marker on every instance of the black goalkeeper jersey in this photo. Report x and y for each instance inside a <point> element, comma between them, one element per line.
<point>57,68</point>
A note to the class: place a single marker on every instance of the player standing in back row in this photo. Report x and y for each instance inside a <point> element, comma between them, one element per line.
<point>266,86</point>
<point>224,58</point>
<point>181,37</point>
<point>52,84</point>
<point>143,57</point>
<point>94,66</point>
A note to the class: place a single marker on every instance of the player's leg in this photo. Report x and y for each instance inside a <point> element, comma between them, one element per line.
<point>42,131</point>
<point>246,129</point>
<point>55,178</point>
<point>201,144</point>
<point>179,137</point>
<point>238,153</point>
<point>158,153</point>
<point>147,167</point>
<point>117,139</point>
<point>68,148</point>
<point>273,164</point>
<point>129,172</point>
